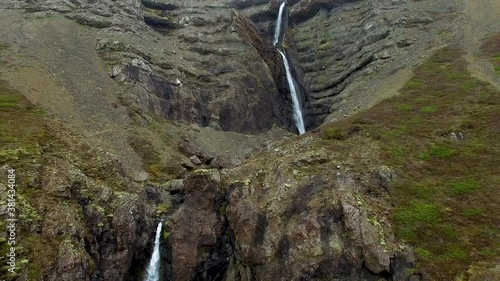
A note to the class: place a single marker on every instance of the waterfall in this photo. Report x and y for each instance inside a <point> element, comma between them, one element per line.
<point>153,269</point>
<point>297,112</point>
<point>277,30</point>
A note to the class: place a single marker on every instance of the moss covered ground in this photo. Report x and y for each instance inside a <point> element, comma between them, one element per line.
<point>22,136</point>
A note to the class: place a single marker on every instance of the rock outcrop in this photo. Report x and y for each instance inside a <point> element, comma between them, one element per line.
<point>301,218</point>
<point>196,226</point>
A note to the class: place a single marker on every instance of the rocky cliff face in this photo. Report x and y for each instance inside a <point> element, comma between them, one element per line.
<point>81,216</point>
<point>302,216</point>
<point>194,62</point>
<point>336,43</point>
<point>207,75</point>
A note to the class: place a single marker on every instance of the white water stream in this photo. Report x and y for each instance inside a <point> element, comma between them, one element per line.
<point>297,112</point>
<point>153,269</point>
<point>277,30</point>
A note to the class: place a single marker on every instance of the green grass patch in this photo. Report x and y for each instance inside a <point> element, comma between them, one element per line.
<point>473,212</point>
<point>414,83</point>
<point>334,133</point>
<point>423,253</point>
<point>488,252</point>
<point>448,231</point>
<point>417,213</point>
<point>415,217</point>
<point>429,109</point>
<point>464,187</point>
<point>454,253</point>
<point>398,151</point>
<point>9,100</point>
<point>442,150</point>
<point>403,107</point>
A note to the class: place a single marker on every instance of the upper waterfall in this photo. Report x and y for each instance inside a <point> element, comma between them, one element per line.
<point>277,30</point>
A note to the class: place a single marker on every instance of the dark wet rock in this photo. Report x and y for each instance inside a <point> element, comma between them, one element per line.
<point>159,22</point>
<point>160,5</point>
<point>401,261</point>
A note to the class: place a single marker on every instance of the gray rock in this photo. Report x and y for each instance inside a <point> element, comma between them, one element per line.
<point>141,176</point>
<point>106,194</point>
<point>406,41</point>
<point>385,175</point>
<point>173,185</point>
<point>195,225</point>
<point>74,262</point>
<point>456,137</point>
<point>141,64</point>
<point>115,71</point>
<point>195,160</point>
<point>188,148</point>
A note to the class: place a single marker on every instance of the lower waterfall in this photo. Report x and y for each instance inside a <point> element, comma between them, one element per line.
<point>297,111</point>
<point>153,269</point>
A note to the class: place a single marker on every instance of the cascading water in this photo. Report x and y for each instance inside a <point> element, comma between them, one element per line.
<point>297,112</point>
<point>153,269</point>
<point>277,30</point>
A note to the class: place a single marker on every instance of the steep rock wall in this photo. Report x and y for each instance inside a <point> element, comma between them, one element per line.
<point>182,61</point>
<point>334,44</point>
